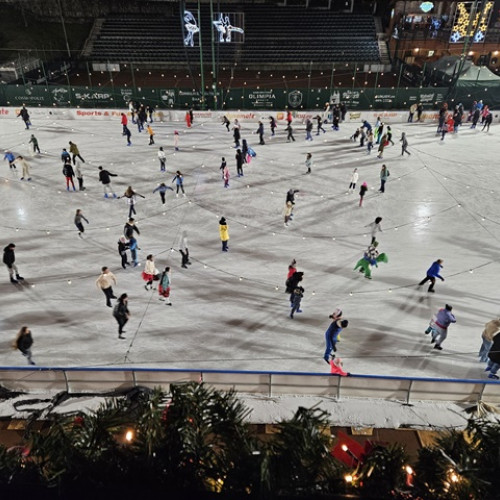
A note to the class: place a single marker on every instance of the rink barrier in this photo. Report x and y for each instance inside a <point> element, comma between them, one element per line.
<point>202,117</point>
<point>267,384</point>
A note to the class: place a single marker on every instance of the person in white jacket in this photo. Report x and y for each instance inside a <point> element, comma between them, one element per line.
<point>184,250</point>
<point>354,179</point>
<point>163,159</point>
<point>375,228</point>
<point>149,273</point>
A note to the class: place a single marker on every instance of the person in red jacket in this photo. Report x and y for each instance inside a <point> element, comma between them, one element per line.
<point>124,122</point>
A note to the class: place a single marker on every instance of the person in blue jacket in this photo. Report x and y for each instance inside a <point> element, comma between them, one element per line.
<point>332,335</point>
<point>11,159</point>
<point>432,274</point>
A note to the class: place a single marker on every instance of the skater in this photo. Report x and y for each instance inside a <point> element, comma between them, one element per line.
<point>121,313</point>
<point>289,118</point>
<point>131,197</point>
<point>413,109</point>
<point>104,178</point>
<point>297,294</point>
<point>226,175</point>
<point>224,234</point>
<point>162,189</point>
<point>239,162</point>
<point>319,125</point>
<point>124,121</point>
<point>375,228</point>
<point>10,158</point>
<point>331,337</point>
<point>33,140</point>
<point>191,115</point>
<point>150,272</point>
<point>389,135</point>
<point>184,250</point>
<point>287,212</point>
<point>343,111</point>
<point>78,222</point>
<point>163,159</point>
<point>128,134</point>
<point>223,165</point>
<point>129,228</point>
<point>272,125</point>
<point>151,133</point>
<point>370,258</point>
<point>309,127</point>
<point>164,286</point>
<point>23,113</point>
<point>292,269</point>
<point>432,274</point>
<point>308,163</point>
<point>354,180</point>
<point>369,141</point>
<point>105,283</point>
<point>494,359</point>
<point>23,342</point>
<point>226,122</point>
<point>380,133</point>
<point>475,117</point>
<point>176,140</point>
<point>491,329</point>
<point>449,126</point>
<point>362,192</point>
<point>290,197</point>
<point>404,144</point>
<point>354,137</point>
<point>439,324</point>
<point>79,175</point>
<point>65,156</point>
<point>420,110</point>
<point>9,259</point>
<point>141,118</point>
<point>244,151</point>
<point>260,131</point>
<point>442,118</point>
<point>293,283</point>
<point>362,137</point>
<point>69,173</point>
<point>236,134</point>
<point>384,174</point>
<point>383,144</point>
<point>133,250</point>
<point>487,122</point>
<point>290,136</point>
<point>25,167</point>
<point>149,111</point>
<point>179,182</point>
<point>73,149</point>
<point>123,245</point>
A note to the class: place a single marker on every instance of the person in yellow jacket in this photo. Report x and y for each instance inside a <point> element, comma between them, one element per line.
<point>151,133</point>
<point>224,234</point>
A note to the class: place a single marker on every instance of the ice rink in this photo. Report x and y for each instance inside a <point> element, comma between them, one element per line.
<point>229,309</point>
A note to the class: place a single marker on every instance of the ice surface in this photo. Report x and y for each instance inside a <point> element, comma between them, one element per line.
<point>442,202</point>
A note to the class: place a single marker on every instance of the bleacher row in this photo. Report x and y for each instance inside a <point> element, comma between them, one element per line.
<point>272,35</point>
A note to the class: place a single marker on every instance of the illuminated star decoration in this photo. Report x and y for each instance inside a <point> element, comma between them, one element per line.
<point>191,27</point>
<point>460,28</point>
<point>225,28</point>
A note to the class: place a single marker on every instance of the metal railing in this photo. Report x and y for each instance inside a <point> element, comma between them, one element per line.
<point>263,383</point>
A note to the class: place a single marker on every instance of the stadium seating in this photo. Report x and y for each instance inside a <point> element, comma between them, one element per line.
<point>273,35</point>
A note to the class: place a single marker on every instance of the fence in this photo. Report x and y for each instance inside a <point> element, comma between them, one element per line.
<point>244,98</point>
<point>266,384</point>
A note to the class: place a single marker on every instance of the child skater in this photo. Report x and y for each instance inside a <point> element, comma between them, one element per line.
<point>354,179</point>
<point>162,188</point>
<point>78,222</point>
<point>179,181</point>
